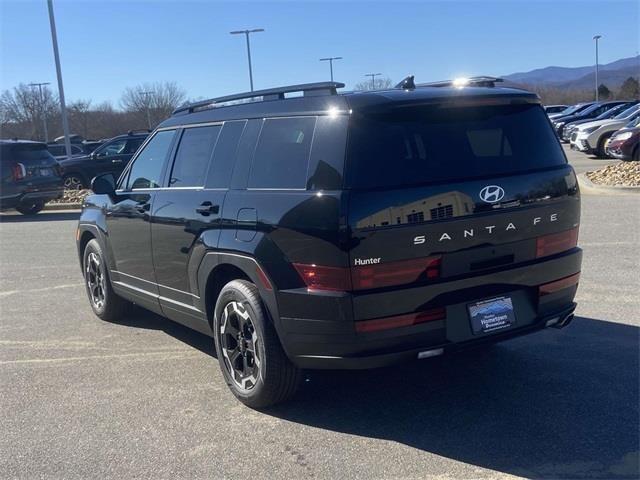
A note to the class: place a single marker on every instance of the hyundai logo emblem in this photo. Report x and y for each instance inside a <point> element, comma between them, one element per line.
<point>491,194</point>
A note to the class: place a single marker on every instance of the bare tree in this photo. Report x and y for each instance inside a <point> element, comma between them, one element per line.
<point>23,105</point>
<point>378,84</point>
<point>152,102</point>
<point>79,114</point>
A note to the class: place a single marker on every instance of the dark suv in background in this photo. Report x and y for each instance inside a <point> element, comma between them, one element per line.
<point>110,157</point>
<point>349,230</point>
<point>29,176</point>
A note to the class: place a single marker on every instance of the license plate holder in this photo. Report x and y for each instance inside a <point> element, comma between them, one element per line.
<point>45,172</point>
<point>491,315</point>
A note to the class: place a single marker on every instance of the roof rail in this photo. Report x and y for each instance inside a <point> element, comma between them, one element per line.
<point>308,89</point>
<point>139,130</point>
<point>481,81</point>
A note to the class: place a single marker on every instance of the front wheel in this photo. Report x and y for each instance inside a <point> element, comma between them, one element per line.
<point>600,150</point>
<point>252,361</point>
<point>105,303</point>
<point>30,208</point>
<point>73,181</point>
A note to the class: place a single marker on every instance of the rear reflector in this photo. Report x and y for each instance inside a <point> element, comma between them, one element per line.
<point>264,280</point>
<point>386,323</point>
<point>364,277</point>
<point>556,242</point>
<point>395,273</point>
<point>557,285</point>
<point>19,172</point>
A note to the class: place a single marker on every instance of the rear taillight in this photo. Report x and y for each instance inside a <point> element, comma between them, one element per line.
<point>364,277</point>
<point>19,172</point>
<point>556,242</point>
<point>557,285</point>
<point>317,277</point>
<point>395,273</point>
<point>386,323</point>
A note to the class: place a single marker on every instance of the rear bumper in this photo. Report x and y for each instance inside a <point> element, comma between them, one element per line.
<point>43,192</point>
<point>330,339</point>
<point>559,319</point>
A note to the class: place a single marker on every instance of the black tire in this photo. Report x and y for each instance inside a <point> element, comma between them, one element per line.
<point>600,153</point>
<point>104,302</point>
<point>30,208</point>
<point>636,154</point>
<point>74,181</point>
<point>263,375</point>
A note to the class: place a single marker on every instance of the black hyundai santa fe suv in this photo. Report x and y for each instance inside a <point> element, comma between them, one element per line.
<point>333,231</point>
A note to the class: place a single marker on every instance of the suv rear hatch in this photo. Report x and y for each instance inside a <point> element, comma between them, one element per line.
<point>30,162</point>
<point>440,193</point>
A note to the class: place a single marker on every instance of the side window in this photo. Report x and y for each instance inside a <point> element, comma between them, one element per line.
<point>224,155</point>
<point>192,160</point>
<point>133,144</point>
<point>114,148</point>
<point>282,153</point>
<point>147,168</point>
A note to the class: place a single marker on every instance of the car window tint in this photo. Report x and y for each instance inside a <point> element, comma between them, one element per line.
<point>115,148</point>
<point>282,153</point>
<point>192,160</point>
<point>147,168</point>
<point>224,155</point>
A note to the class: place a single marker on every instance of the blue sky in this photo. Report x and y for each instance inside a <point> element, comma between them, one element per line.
<point>107,46</point>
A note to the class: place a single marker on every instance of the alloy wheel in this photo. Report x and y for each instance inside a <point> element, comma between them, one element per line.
<point>239,341</point>
<point>96,280</point>
<point>72,183</point>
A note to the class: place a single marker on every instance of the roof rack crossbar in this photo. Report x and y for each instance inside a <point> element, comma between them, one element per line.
<point>480,81</point>
<point>308,89</point>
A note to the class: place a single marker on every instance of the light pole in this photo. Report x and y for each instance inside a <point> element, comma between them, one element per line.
<point>330,60</point>
<point>246,34</point>
<point>146,104</point>
<point>56,54</point>
<point>42,112</point>
<point>373,79</point>
<point>596,38</point>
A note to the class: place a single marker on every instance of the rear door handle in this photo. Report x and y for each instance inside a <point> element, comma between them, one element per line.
<point>207,208</point>
<point>116,160</point>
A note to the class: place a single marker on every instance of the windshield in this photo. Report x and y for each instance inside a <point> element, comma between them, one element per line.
<point>434,144</point>
<point>612,112</point>
<point>627,113</point>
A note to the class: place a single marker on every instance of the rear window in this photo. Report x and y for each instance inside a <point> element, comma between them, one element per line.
<point>25,152</point>
<point>435,144</point>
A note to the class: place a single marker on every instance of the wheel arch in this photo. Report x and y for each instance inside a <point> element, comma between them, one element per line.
<point>219,268</point>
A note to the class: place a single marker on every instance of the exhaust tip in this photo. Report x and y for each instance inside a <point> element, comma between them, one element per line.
<point>563,322</point>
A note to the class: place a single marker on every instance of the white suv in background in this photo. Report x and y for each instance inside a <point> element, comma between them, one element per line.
<point>591,137</point>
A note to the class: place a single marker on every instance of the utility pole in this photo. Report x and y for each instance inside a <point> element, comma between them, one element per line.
<point>246,34</point>
<point>330,60</point>
<point>373,79</point>
<point>596,38</point>
<point>42,112</point>
<point>146,103</point>
<point>56,54</point>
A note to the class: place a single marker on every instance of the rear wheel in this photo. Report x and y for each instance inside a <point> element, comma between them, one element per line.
<point>73,181</point>
<point>30,208</point>
<point>252,361</point>
<point>104,301</point>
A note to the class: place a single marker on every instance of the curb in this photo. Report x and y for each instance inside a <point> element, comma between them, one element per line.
<point>62,206</point>
<point>587,186</point>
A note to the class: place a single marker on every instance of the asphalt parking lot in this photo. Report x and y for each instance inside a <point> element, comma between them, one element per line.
<point>82,398</point>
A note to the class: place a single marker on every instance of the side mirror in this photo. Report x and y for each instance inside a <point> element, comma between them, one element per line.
<point>104,184</point>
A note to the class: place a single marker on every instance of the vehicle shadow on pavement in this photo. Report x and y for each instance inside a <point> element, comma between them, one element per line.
<point>558,404</point>
<point>140,318</point>
<point>45,216</point>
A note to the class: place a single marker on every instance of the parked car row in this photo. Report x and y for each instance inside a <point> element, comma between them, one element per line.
<point>605,129</point>
<point>33,173</point>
